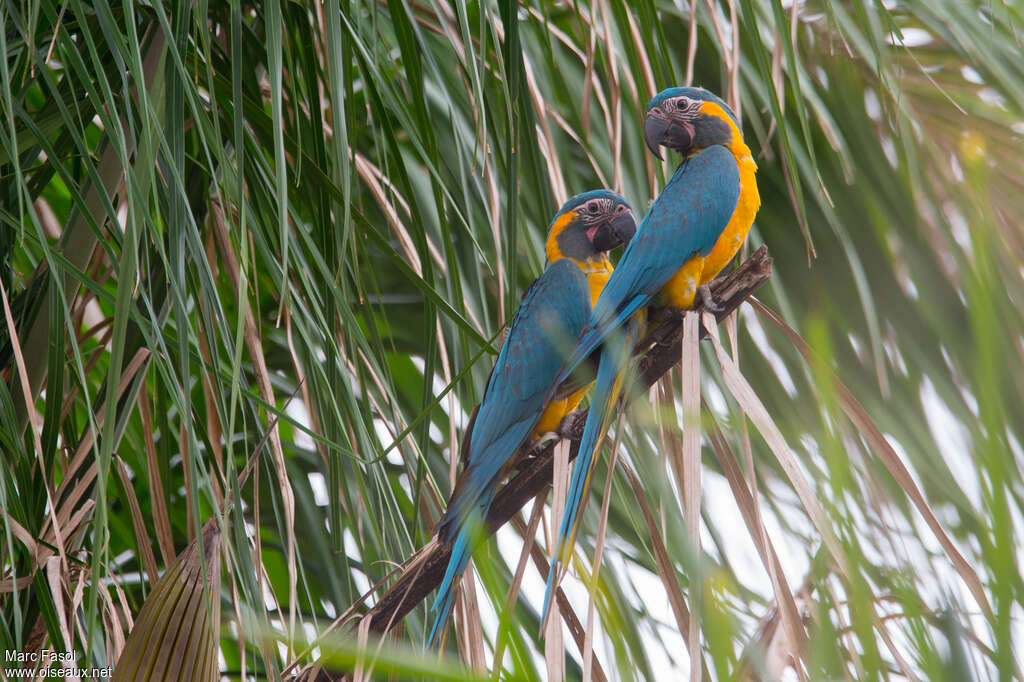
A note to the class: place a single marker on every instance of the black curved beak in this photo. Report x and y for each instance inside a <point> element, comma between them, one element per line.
<point>619,230</point>
<point>655,129</point>
<point>659,131</point>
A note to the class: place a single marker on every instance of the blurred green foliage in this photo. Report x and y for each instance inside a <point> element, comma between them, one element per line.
<point>223,220</point>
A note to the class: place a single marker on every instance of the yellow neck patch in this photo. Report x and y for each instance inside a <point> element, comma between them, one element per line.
<point>738,148</point>
<point>597,268</point>
<point>551,246</point>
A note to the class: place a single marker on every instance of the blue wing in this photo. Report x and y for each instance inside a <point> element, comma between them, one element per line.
<point>686,219</point>
<point>551,316</point>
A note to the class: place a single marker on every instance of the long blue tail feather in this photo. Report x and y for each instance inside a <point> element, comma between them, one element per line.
<point>607,387</point>
<point>462,550</point>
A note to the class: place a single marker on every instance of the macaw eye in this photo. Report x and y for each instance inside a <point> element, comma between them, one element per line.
<point>688,107</point>
<point>593,208</point>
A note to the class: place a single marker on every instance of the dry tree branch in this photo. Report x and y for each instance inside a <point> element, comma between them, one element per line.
<point>660,350</point>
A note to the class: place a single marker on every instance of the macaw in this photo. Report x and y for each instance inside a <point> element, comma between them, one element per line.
<point>691,231</point>
<point>517,404</point>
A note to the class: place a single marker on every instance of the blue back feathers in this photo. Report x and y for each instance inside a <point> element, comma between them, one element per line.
<point>551,316</point>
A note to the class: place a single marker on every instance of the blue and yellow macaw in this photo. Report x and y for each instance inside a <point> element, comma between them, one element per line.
<point>517,403</point>
<point>691,231</point>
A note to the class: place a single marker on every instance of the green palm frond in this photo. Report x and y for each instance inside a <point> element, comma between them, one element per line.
<point>298,230</point>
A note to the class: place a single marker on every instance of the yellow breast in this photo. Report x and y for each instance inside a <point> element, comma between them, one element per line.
<point>597,272</point>
<point>597,276</point>
<point>681,289</point>
<point>739,225</point>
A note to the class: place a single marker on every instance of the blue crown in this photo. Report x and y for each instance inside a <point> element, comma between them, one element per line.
<point>692,93</point>
<point>584,197</point>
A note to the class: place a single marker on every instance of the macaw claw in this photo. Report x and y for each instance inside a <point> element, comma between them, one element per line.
<point>707,300</point>
<point>567,428</point>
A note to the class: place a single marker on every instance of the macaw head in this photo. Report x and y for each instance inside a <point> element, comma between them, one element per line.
<point>688,120</point>
<point>590,224</point>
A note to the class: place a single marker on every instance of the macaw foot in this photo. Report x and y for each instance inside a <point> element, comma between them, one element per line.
<point>568,428</point>
<point>707,300</point>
